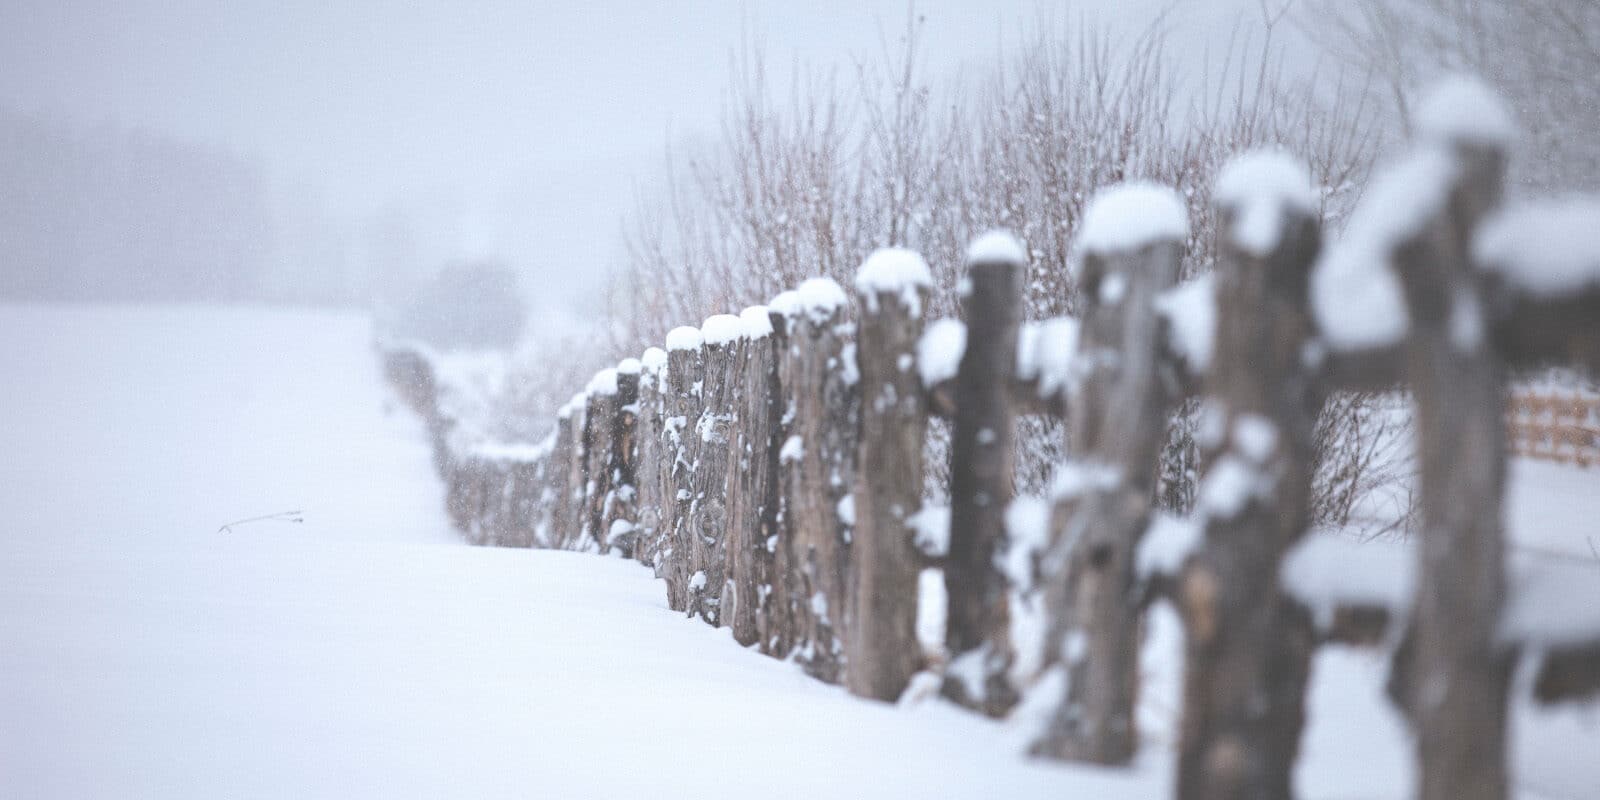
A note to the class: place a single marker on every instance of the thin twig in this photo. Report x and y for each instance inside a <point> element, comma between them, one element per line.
<point>281,516</point>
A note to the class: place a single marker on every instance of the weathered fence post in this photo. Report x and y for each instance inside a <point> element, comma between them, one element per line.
<point>893,287</point>
<point>1247,646</point>
<point>819,459</point>
<point>1459,674</point>
<point>1132,242</point>
<point>722,336</point>
<point>649,458</point>
<point>599,429</point>
<point>1402,280</point>
<point>977,633</point>
<point>617,527</point>
<point>783,616</point>
<point>752,482</point>
<point>684,365</point>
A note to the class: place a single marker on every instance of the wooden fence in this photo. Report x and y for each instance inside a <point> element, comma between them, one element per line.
<point>769,465</point>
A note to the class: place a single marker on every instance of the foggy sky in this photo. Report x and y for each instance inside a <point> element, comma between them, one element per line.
<point>489,126</point>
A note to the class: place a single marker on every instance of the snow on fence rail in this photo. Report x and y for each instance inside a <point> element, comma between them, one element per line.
<point>768,465</point>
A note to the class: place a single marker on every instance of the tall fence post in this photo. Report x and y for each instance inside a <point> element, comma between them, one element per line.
<point>1132,242</point>
<point>617,528</point>
<point>648,459</point>
<point>893,287</point>
<point>1248,646</point>
<point>977,628</point>
<point>599,429</point>
<point>752,512</point>
<point>722,341</point>
<point>819,458</point>
<point>1454,675</point>
<point>784,616</point>
<point>684,367</point>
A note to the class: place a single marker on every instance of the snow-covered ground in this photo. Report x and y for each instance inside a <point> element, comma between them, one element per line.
<point>364,653</point>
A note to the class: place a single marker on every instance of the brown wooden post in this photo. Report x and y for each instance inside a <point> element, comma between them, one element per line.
<point>1455,677</point>
<point>599,431</point>
<point>819,454</point>
<point>1247,646</point>
<point>617,529</point>
<point>649,459</point>
<point>752,513</point>
<point>977,630</point>
<point>1132,242</point>
<point>713,434</point>
<point>684,366</point>
<point>892,287</point>
<point>577,477</point>
<point>783,613</point>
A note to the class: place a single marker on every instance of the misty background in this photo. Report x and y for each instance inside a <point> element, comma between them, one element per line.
<point>344,153</point>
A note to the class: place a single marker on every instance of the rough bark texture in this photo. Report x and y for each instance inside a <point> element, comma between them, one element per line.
<point>599,429</point>
<point>577,478</point>
<point>679,442</point>
<point>621,493</point>
<point>1247,646</point>
<point>752,511</point>
<point>820,472</point>
<point>648,462</point>
<point>977,628</point>
<point>1118,421</point>
<point>782,613</point>
<point>1454,676</point>
<point>884,651</point>
<point>709,503</point>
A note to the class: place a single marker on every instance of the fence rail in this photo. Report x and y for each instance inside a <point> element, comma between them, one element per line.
<point>769,465</point>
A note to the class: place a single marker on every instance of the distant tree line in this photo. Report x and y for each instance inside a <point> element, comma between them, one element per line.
<point>108,213</point>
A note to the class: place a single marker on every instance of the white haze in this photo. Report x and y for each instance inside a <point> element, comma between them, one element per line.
<point>365,143</point>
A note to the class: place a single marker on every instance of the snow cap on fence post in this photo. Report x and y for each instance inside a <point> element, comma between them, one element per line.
<point>684,337</point>
<point>786,303</point>
<point>1463,110</point>
<point>1544,248</point>
<point>996,247</point>
<point>1259,188</point>
<point>1356,297</point>
<point>654,359</point>
<point>756,322</point>
<point>721,329</point>
<point>604,382</point>
<point>1130,216</point>
<point>894,271</point>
